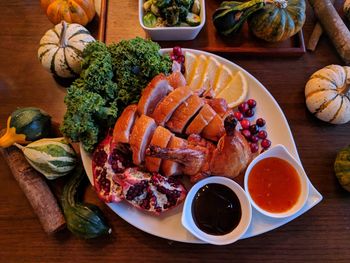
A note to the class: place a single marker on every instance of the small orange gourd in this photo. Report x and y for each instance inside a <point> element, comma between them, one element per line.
<point>71,11</point>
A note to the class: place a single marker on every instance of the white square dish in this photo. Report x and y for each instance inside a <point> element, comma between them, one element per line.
<point>172,33</point>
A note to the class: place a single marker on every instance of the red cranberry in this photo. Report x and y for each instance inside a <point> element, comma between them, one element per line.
<point>249,113</point>
<point>246,134</point>
<point>254,147</point>
<point>265,143</point>
<point>238,115</point>
<point>245,124</point>
<point>243,107</point>
<point>253,129</point>
<point>260,122</point>
<point>251,103</point>
<point>254,138</point>
<point>262,134</point>
<point>177,51</point>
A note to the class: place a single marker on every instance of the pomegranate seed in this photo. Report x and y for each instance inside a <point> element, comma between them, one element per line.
<point>238,115</point>
<point>243,107</point>
<point>253,129</point>
<point>245,124</point>
<point>265,143</point>
<point>254,147</point>
<point>177,51</point>
<point>254,138</point>
<point>246,134</point>
<point>249,113</point>
<point>260,122</point>
<point>251,103</point>
<point>262,134</point>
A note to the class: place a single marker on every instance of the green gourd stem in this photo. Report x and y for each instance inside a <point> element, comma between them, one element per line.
<point>63,40</point>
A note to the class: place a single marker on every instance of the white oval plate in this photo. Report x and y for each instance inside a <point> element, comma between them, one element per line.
<point>168,225</point>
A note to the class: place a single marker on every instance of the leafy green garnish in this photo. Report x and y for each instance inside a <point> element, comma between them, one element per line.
<point>112,78</point>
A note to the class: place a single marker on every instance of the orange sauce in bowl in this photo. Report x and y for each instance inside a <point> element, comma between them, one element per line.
<point>274,185</point>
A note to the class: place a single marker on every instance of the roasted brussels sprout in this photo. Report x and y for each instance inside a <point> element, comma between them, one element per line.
<point>196,7</point>
<point>147,5</point>
<point>183,13</point>
<point>162,3</point>
<point>193,19</point>
<point>172,15</point>
<point>149,20</point>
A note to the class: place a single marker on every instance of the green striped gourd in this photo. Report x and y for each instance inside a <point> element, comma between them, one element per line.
<point>52,157</point>
<point>278,22</point>
<point>342,167</point>
<point>328,94</point>
<point>61,48</point>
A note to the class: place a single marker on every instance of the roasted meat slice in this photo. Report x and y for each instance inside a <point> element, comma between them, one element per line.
<point>124,124</point>
<point>140,137</point>
<point>176,80</point>
<point>219,105</point>
<point>214,130</point>
<point>184,113</point>
<point>150,192</point>
<point>155,91</point>
<point>168,167</point>
<point>161,138</point>
<point>205,115</point>
<point>169,104</point>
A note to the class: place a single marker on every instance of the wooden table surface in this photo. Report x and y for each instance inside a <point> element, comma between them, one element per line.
<point>320,235</point>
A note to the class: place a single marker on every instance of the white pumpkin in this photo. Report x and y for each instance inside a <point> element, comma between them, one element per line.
<point>328,95</point>
<point>61,49</point>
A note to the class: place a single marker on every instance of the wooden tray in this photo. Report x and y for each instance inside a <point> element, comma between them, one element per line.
<point>121,22</point>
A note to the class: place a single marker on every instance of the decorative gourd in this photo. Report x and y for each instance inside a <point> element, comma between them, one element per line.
<point>26,125</point>
<point>83,220</point>
<point>275,23</point>
<point>71,11</point>
<point>346,9</point>
<point>342,167</point>
<point>51,157</point>
<point>61,49</point>
<point>328,94</point>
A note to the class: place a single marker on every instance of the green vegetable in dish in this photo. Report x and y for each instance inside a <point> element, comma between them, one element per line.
<point>112,78</point>
<point>171,12</point>
<point>193,19</point>
<point>342,167</point>
<point>84,220</point>
<point>26,125</point>
<point>150,20</point>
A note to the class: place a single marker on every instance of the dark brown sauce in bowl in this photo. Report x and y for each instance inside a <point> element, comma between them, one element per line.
<point>216,209</point>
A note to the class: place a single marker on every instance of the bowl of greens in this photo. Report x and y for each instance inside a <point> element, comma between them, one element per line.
<point>172,19</point>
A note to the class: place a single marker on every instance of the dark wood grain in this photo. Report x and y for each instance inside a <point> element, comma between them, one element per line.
<point>320,235</point>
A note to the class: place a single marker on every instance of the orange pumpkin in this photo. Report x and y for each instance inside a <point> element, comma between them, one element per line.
<point>71,11</point>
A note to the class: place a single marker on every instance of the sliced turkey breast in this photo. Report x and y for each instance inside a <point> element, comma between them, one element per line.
<point>219,105</point>
<point>161,138</point>
<point>170,168</point>
<point>169,104</point>
<point>205,115</point>
<point>140,137</point>
<point>215,129</point>
<point>155,91</point>
<point>176,79</point>
<point>125,122</point>
<point>184,113</point>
